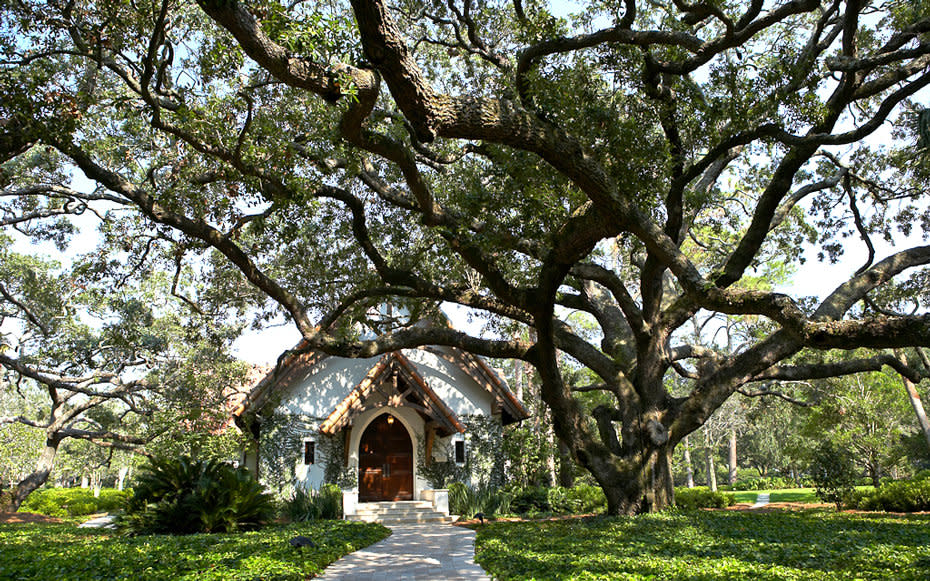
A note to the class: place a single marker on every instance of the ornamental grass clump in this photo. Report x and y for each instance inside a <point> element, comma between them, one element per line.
<point>306,505</point>
<point>184,496</point>
<point>468,500</point>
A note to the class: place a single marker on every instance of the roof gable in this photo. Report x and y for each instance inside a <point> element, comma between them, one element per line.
<point>367,389</point>
<point>393,381</point>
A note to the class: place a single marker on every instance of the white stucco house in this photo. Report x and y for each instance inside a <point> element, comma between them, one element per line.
<point>389,427</point>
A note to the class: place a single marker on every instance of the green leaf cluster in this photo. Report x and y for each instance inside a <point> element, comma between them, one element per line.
<point>41,552</point>
<point>74,501</point>
<point>911,495</point>
<point>709,545</point>
<point>702,497</point>
<point>183,496</point>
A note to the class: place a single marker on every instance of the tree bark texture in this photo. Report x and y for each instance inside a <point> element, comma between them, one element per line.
<point>686,459</point>
<point>709,463</point>
<point>566,466</point>
<point>731,458</point>
<point>39,476</point>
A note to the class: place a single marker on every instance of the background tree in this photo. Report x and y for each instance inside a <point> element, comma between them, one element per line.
<point>774,443</point>
<point>867,415</point>
<point>114,369</point>
<point>623,164</point>
<point>18,443</point>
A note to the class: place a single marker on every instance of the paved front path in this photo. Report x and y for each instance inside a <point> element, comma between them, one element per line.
<point>427,552</point>
<point>761,500</point>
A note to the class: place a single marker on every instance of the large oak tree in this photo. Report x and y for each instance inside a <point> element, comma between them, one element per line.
<point>639,163</point>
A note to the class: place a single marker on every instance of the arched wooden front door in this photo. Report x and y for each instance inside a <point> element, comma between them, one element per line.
<point>385,461</point>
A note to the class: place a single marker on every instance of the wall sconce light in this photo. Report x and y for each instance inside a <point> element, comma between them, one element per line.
<point>390,420</point>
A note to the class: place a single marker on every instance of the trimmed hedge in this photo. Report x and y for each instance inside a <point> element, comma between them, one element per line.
<point>74,501</point>
<point>581,499</point>
<point>702,497</point>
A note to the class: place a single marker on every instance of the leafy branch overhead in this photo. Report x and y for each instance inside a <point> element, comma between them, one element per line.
<point>644,164</point>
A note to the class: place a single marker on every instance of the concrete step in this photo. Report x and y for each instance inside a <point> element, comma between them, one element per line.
<point>399,512</point>
<point>396,504</point>
<point>432,517</point>
<point>414,510</point>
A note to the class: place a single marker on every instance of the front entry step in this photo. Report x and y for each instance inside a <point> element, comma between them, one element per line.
<point>399,512</point>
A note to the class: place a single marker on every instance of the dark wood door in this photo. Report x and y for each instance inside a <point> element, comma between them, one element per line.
<point>385,461</point>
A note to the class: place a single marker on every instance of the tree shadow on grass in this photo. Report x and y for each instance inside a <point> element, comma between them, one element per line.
<point>712,545</point>
<point>65,552</point>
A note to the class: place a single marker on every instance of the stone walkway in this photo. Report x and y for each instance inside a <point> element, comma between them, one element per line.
<point>427,552</point>
<point>761,500</point>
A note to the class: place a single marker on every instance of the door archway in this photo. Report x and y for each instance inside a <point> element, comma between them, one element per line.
<point>385,461</point>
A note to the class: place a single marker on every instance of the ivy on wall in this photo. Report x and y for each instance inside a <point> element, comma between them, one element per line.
<point>281,446</point>
<point>332,450</point>
<point>280,449</point>
<point>484,456</point>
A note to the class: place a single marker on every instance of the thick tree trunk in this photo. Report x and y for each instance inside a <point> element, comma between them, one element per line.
<point>566,467</point>
<point>689,471</point>
<point>649,488</point>
<point>731,459</point>
<point>709,462</point>
<point>39,476</point>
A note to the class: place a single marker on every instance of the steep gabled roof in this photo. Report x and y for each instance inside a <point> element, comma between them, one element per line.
<point>294,364</point>
<point>415,393</point>
<point>511,408</point>
<point>298,363</point>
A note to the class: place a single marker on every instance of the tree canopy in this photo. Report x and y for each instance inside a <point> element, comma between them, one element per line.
<point>640,163</point>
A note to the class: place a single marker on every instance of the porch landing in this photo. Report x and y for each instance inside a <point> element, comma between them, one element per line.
<point>399,512</point>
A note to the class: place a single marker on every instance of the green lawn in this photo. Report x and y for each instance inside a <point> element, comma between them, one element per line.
<point>782,495</point>
<point>64,552</point>
<point>710,545</point>
<point>803,495</point>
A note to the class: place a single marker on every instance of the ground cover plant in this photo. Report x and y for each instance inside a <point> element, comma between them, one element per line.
<point>74,501</point>
<point>709,545</point>
<point>42,552</point>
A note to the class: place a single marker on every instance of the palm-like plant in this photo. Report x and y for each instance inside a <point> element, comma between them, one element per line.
<point>183,495</point>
